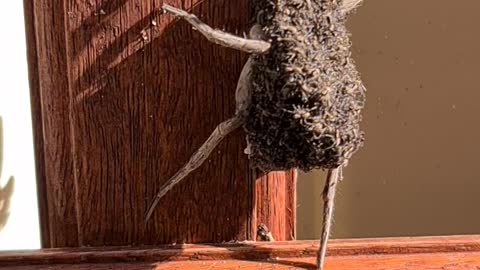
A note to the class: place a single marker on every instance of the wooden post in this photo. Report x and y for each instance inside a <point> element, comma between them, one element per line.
<point>122,95</point>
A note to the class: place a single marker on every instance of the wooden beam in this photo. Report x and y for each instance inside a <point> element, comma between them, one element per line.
<point>409,253</point>
<point>50,98</point>
<point>122,95</point>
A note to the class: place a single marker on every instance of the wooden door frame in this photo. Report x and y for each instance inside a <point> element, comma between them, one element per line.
<point>50,74</point>
<point>61,37</point>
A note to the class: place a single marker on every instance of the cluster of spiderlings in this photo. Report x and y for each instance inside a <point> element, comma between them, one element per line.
<point>306,95</point>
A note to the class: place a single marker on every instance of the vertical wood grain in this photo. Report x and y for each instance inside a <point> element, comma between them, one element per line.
<point>275,203</point>
<point>50,98</point>
<point>124,95</point>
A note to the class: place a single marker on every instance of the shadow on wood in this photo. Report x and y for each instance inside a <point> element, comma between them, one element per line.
<point>144,92</point>
<point>139,120</point>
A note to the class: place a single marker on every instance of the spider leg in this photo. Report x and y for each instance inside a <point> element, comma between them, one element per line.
<point>242,93</point>
<point>242,97</point>
<point>220,37</point>
<point>350,5</point>
<point>220,132</point>
<point>328,200</point>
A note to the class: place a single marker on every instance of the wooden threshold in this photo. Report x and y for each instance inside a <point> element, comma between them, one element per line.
<point>408,253</point>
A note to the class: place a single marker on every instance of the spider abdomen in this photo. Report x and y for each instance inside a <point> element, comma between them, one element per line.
<point>306,94</point>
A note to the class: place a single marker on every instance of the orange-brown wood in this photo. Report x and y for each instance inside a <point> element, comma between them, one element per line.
<point>49,84</point>
<point>275,203</point>
<point>456,252</point>
<point>122,95</point>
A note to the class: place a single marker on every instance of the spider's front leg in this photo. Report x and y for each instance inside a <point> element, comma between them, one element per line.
<point>197,159</point>
<point>220,37</point>
<point>242,97</point>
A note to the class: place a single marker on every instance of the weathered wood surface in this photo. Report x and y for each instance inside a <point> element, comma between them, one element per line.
<point>275,203</point>
<point>457,252</point>
<point>122,95</point>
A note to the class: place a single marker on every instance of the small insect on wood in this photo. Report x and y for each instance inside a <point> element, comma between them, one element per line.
<point>299,96</point>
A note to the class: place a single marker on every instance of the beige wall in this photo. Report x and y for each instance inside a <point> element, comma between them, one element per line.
<point>418,171</point>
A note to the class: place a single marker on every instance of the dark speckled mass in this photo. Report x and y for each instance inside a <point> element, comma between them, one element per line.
<point>307,95</point>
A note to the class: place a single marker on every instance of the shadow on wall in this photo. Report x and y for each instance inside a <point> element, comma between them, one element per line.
<point>6,192</point>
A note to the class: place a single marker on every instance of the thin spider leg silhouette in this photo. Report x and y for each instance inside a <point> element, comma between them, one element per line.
<point>220,37</point>
<point>220,132</point>
<point>242,99</point>
<point>328,203</point>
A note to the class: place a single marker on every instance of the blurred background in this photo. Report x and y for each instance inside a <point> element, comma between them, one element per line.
<point>416,174</point>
